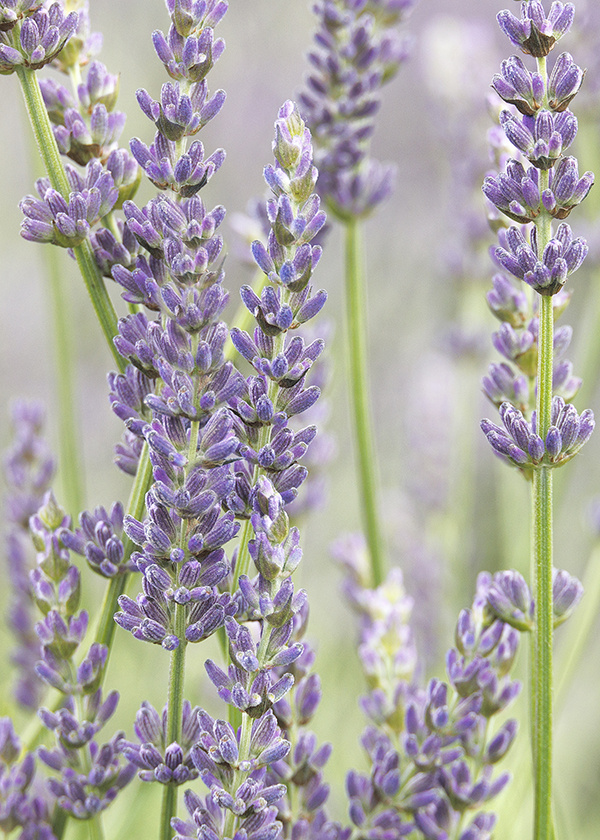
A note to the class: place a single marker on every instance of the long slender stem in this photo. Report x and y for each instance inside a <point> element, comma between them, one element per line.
<point>356,316</point>
<point>174,712</point>
<point>71,462</point>
<point>46,144</point>
<point>542,736</point>
<point>542,548</point>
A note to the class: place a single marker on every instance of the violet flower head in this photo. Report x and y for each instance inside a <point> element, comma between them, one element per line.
<point>446,763</point>
<point>176,392</point>
<point>29,469</point>
<point>358,48</point>
<point>42,36</point>
<point>534,32</point>
<point>156,759</point>
<point>52,218</point>
<point>519,444</point>
<point>279,390</point>
<point>21,805</point>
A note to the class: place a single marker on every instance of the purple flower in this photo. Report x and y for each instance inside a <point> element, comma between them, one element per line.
<point>520,445</point>
<point>358,49</point>
<point>68,223</point>
<point>156,759</point>
<point>546,272</point>
<point>42,36</point>
<point>535,33</point>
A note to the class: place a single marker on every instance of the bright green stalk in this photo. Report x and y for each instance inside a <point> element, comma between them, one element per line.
<point>356,318</point>
<point>542,550</point>
<point>71,463</point>
<point>47,147</point>
<point>174,713</point>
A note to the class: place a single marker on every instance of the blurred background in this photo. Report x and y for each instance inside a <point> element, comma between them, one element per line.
<point>450,508</point>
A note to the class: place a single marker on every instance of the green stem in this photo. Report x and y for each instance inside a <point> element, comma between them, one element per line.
<point>542,548</point>
<point>542,736</point>
<point>71,462</point>
<point>174,712</point>
<point>42,131</point>
<point>356,317</point>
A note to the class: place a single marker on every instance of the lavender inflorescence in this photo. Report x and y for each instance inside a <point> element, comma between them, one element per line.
<point>430,748</point>
<point>358,49</point>
<point>540,132</point>
<point>29,469</point>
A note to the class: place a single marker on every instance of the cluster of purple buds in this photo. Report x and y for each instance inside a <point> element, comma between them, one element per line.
<point>546,272</point>
<point>250,771</point>
<point>42,35</point>
<point>534,33</point>
<point>175,573</point>
<point>302,768</point>
<point>444,769</point>
<point>21,806</point>
<point>156,759</point>
<point>28,469</point>
<point>540,184</point>
<point>517,193</point>
<point>519,444</point>
<point>516,340</point>
<point>525,90</point>
<point>68,222</point>
<point>175,393</point>
<point>99,540</point>
<point>86,129</point>
<point>510,600</point>
<point>279,391</point>
<point>358,48</point>
<point>541,134</point>
<point>55,587</point>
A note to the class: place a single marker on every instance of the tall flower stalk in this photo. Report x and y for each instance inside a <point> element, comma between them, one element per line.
<point>536,190</point>
<point>358,48</point>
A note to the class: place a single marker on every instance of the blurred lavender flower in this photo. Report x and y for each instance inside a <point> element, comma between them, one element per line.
<point>358,49</point>
<point>29,469</point>
<point>20,805</point>
<point>444,765</point>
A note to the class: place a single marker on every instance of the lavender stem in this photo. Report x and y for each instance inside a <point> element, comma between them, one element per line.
<point>70,464</point>
<point>356,313</point>
<point>542,547</point>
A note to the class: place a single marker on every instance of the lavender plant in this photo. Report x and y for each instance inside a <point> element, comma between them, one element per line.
<point>219,439</point>
<point>537,190</point>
